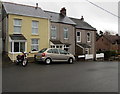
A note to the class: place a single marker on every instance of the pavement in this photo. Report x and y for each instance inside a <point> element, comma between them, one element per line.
<point>81,76</point>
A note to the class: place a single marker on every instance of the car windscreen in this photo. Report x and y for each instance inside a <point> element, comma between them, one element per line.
<point>43,50</point>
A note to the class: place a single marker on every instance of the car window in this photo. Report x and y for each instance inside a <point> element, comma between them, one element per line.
<point>43,50</point>
<point>55,51</point>
<point>50,51</point>
<point>62,51</point>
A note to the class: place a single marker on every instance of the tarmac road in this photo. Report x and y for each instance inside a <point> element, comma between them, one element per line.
<point>61,77</point>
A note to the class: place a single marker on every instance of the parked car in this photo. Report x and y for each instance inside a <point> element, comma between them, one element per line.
<point>49,55</point>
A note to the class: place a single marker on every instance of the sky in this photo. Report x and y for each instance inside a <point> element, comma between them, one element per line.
<point>96,17</point>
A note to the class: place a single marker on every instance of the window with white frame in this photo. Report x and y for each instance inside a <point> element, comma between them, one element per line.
<point>65,33</point>
<point>34,44</point>
<point>66,47</point>
<point>17,26</point>
<point>17,46</point>
<point>35,27</point>
<point>88,37</point>
<point>53,32</point>
<point>56,46</point>
<point>78,36</point>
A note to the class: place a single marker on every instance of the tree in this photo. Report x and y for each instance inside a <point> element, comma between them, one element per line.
<point>100,33</point>
<point>97,36</point>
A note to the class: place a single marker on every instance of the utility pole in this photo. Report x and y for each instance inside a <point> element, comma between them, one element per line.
<point>0,46</point>
<point>0,27</point>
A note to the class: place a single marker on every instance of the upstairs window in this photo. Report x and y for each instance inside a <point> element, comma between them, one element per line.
<point>17,26</point>
<point>65,33</point>
<point>35,27</point>
<point>88,37</point>
<point>78,36</point>
<point>53,32</point>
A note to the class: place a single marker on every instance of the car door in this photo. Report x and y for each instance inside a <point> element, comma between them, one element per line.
<point>55,55</point>
<point>63,55</point>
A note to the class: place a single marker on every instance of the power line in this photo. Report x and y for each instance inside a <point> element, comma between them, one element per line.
<point>102,8</point>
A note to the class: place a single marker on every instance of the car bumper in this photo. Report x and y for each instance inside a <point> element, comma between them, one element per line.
<point>40,59</point>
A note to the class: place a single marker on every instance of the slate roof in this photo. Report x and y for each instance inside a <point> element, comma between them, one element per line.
<point>24,10</point>
<point>84,45</point>
<point>81,24</point>
<point>56,17</point>
<point>59,42</point>
<point>56,41</point>
<point>17,37</point>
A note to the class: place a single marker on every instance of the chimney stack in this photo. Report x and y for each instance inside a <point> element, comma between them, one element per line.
<point>82,18</point>
<point>63,12</point>
<point>36,6</point>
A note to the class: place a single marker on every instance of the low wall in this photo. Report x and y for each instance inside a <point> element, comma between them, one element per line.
<point>90,56</point>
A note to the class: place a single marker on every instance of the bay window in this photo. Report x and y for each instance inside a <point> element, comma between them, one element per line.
<point>16,46</point>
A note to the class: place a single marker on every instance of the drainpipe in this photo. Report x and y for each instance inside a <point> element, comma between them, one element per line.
<point>75,39</point>
<point>94,49</point>
<point>49,31</point>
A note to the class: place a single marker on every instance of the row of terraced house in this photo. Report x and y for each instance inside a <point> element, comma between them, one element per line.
<point>29,29</point>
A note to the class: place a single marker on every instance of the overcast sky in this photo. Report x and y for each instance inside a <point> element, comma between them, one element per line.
<point>95,16</point>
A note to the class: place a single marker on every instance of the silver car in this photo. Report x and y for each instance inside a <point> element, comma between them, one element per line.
<point>49,55</point>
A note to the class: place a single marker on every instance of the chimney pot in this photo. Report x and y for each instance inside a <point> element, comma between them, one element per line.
<point>82,18</point>
<point>63,12</point>
<point>36,6</point>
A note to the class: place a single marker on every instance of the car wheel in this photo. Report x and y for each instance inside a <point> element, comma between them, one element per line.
<point>70,60</point>
<point>48,61</point>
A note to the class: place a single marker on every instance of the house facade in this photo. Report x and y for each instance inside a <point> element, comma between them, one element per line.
<point>108,43</point>
<point>85,37</point>
<point>62,31</point>
<point>29,29</point>
<point>25,29</point>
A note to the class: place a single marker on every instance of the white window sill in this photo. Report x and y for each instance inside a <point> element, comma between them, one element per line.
<point>53,37</point>
<point>35,34</point>
<point>34,52</point>
<point>16,52</point>
<point>78,41</point>
<point>89,41</point>
<point>16,33</point>
<point>66,38</point>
